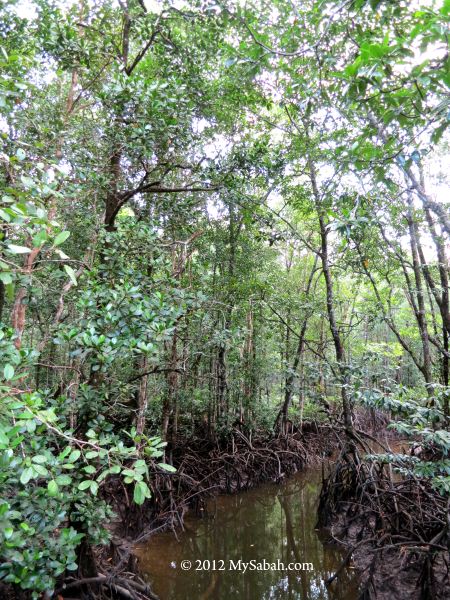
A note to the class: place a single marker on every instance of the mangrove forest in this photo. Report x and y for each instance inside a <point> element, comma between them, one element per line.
<point>224,300</point>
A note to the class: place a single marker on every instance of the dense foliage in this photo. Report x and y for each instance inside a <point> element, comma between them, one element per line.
<point>213,214</point>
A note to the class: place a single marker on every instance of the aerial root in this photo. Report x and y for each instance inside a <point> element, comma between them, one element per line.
<point>374,515</point>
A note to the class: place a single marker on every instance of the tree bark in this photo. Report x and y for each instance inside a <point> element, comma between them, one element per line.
<point>289,384</point>
<point>142,398</point>
<point>420,309</point>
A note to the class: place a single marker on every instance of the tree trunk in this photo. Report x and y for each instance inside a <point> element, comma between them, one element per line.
<point>335,333</point>
<point>289,385</point>
<point>420,309</point>
<point>142,397</point>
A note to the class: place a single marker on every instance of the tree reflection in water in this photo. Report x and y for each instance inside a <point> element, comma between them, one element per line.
<point>271,522</point>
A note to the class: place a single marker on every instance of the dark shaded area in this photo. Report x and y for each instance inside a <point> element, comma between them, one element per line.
<point>396,529</point>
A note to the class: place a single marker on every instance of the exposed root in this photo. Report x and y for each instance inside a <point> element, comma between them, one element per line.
<point>130,588</point>
<point>397,531</point>
<point>203,469</point>
<point>237,464</point>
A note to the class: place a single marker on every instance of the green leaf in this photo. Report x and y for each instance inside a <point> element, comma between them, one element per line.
<point>167,467</point>
<point>61,254</point>
<point>40,459</point>
<point>84,485</point>
<point>445,10</point>
<point>63,480</point>
<point>26,416</point>
<point>41,470</point>
<point>71,273</point>
<point>128,473</point>
<point>6,278</point>
<point>10,292</point>
<point>74,456</point>
<point>5,215</point>
<point>18,249</point>
<point>40,238</point>
<point>103,475</point>
<point>141,492</point>
<point>26,475</point>
<point>27,181</point>
<point>64,453</point>
<point>8,372</point>
<point>61,238</point>
<point>52,488</point>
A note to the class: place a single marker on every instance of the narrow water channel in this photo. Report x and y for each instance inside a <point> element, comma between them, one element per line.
<point>268,524</point>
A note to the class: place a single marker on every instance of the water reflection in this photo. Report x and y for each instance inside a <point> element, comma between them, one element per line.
<point>271,523</point>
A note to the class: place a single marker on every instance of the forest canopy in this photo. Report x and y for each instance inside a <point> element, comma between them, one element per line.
<point>215,215</point>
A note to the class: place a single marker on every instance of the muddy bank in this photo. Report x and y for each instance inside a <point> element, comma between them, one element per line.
<point>236,462</point>
<point>204,469</point>
<point>395,530</point>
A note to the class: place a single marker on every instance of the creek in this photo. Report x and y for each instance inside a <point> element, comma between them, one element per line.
<point>267,524</point>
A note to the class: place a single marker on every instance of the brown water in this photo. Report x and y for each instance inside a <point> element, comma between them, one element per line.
<point>272,523</point>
